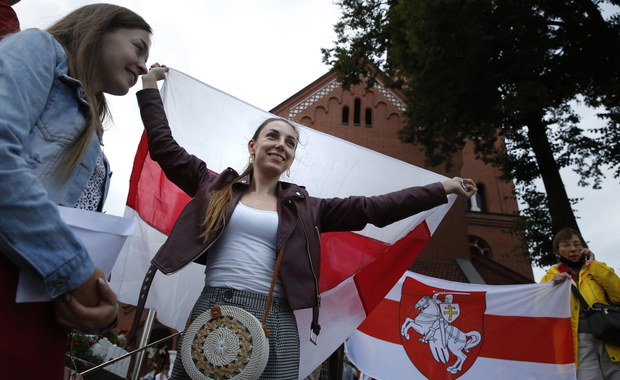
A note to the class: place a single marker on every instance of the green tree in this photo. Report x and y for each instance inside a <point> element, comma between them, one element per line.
<point>506,75</point>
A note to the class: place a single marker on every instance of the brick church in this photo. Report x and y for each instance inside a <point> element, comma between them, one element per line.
<point>473,243</point>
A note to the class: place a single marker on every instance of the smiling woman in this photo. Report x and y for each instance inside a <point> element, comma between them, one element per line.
<point>123,59</point>
<point>52,106</point>
<point>259,236</point>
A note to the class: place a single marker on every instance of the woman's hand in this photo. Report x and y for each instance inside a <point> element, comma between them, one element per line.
<point>91,306</point>
<point>460,186</point>
<point>589,257</point>
<point>560,277</point>
<point>156,73</point>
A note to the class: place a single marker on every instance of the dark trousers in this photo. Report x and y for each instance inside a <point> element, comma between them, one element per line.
<point>33,344</point>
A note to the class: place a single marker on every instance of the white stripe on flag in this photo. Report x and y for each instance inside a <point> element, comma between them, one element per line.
<point>341,313</point>
<point>217,127</point>
<point>172,296</point>
<point>398,366</point>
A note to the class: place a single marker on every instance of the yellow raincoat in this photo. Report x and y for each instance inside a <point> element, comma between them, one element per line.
<point>597,283</point>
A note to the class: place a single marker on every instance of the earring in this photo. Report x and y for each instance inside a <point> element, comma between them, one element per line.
<point>288,172</point>
<point>251,159</point>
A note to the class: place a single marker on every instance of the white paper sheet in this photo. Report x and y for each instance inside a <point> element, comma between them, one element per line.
<point>103,236</point>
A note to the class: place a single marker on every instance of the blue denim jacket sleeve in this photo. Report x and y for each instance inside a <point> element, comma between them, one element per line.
<point>32,235</point>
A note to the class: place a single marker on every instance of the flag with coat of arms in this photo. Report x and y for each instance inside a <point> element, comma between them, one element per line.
<point>428,328</point>
<point>357,268</point>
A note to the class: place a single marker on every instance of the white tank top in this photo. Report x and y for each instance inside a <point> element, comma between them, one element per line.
<point>244,256</point>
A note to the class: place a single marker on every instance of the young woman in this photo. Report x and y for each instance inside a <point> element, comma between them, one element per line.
<point>51,112</point>
<point>597,283</point>
<point>238,223</point>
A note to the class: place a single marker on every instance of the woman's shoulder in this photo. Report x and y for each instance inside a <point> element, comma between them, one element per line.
<point>33,36</point>
<point>293,189</point>
<point>600,266</point>
<point>552,270</point>
<point>555,268</point>
<point>34,42</point>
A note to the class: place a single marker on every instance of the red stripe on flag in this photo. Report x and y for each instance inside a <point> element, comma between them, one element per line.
<point>345,254</point>
<point>517,336</point>
<point>383,322</point>
<point>157,200</point>
<point>138,163</point>
<point>504,337</point>
<point>376,280</point>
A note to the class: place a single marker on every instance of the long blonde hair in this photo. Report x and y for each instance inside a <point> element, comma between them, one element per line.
<point>80,33</point>
<point>215,215</point>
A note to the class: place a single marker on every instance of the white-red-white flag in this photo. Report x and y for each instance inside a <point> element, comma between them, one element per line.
<point>428,328</point>
<point>357,269</point>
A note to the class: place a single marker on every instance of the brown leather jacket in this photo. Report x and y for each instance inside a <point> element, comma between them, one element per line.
<point>302,218</point>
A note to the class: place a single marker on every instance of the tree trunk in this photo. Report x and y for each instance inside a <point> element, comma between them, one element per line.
<point>559,205</point>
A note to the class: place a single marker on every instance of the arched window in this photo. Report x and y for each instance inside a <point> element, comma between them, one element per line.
<point>479,246</point>
<point>345,115</point>
<point>357,109</point>
<point>476,203</point>
<point>368,117</point>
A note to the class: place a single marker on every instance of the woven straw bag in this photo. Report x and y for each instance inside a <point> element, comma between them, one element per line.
<point>225,342</point>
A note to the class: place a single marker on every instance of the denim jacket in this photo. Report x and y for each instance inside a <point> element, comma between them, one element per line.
<point>41,111</point>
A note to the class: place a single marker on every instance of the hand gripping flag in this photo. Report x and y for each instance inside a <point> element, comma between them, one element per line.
<point>357,269</point>
<point>437,329</point>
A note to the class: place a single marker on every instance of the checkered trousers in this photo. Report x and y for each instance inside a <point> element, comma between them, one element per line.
<point>283,363</point>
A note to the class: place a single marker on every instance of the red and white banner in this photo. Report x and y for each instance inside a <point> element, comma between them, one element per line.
<point>436,329</point>
<point>357,269</point>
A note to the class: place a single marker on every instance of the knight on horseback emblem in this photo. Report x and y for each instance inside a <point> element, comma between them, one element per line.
<point>434,323</point>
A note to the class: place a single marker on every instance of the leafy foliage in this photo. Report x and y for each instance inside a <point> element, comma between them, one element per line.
<point>506,75</point>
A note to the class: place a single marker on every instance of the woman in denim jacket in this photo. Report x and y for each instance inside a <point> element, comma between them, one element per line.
<point>52,105</point>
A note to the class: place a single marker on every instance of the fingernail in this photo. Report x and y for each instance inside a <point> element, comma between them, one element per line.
<point>102,281</point>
